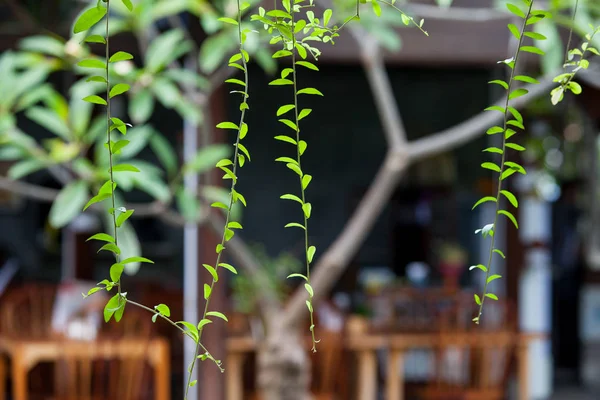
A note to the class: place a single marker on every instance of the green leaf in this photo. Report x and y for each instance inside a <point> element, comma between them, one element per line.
<point>228,20</point>
<point>491,296</point>
<point>478,266</point>
<point>495,108</point>
<point>493,150</point>
<point>309,289</point>
<point>95,100</point>
<point>95,39</point>
<point>103,237</point>
<point>96,199</point>
<point>493,278</point>
<point>306,180</point>
<point>163,309</point>
<point>308,65</point>
<point>116,270</point>
<point>377,8</point>
<point>297,276</point>
<point>477,300</point>
<point>234,225</point>
<point>124,168</point>
<point>295,224</point>
<point>307,208</point>
<point>68,204</point>
<point>236,81</point>
<point>207,291</point>
<point>509,216</point>
<point>511,198</point>
<point>515,146</point>
<point>514,30</point>
<point>287,139</point>
<point>128,4</point>
<point>310,91</point>
<point>302,146</point>
<point>124,216</point>
<point>203,323</point>
<point>218,315</point>
<point>494,130</point>
<point>228,125</point>
<point>490,166</point>
<point>113,248</point>
<point>136,260</point>
<point>212,271</point>
<point>118,89</point>
<point>92,63</point>
<point>243,130</point>
<point>515,10</point>
<point>283,109</point>
<point>280,82</point>
<point>526,79</point>
<point>120,56</point>
<point>484,200</point>
<point>289,123</point>
<point>192,331</point>
<point>89,18</point>
<point>500,253</point>
<point>500,82</point>
<point>515,113</point>
<point>228,267</point>
<point>310,253</point>
<point>532,49</point>
<point>111,306</point>
<point>304,113</point>
<point>291,197</point>
<point>517,93</point>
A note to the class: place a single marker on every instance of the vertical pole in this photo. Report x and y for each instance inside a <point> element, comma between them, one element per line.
<point>190,257</point>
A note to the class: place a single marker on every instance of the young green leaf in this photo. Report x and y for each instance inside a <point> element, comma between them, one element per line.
<point>120,56</point>
<point>218,315</point>
<point>89,18</point>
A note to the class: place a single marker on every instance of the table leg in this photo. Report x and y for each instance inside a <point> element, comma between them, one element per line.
<point>234,376</point>
<point>395,375</point>
<point>3,377</point>
<point>523,371</point>
<point>367,375</point>
<point>19,375</point>
<point>162,372</point>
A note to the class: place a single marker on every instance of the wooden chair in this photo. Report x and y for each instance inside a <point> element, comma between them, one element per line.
<point>82,375</point>
<point>472,362</point>
<point>26,311</point>
<point>414,310</point>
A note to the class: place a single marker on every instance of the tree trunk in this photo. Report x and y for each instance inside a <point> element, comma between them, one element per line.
<point>283,367</point>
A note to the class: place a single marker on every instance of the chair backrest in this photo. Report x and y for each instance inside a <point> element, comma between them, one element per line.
<point>82,373</point>
<point>472,359</point>
<point>414,310</point>
<point>26,311</point>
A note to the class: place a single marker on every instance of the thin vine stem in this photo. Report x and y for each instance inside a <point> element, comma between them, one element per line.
<point>302,191</point>
<point>570,34</point>
<point>231,196</point>
<point>169,320</point>
<point>502,162</point>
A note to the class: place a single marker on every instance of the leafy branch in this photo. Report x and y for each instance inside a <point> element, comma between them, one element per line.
<point>565,79</point>
<point>511,119</point>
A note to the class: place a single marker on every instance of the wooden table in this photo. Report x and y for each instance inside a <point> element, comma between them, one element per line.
<point>25,354</point>
<point>365,346</point>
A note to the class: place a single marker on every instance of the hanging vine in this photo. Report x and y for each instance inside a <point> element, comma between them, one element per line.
<point>512,120</point>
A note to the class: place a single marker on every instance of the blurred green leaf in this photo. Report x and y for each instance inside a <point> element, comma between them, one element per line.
<point>160,50</point>
<point>207,157</point>
<point>44,44</point>
<point>141,106</point>
<point>68,204</point>
<point>25,167</point>
<point>49,120</point>
<point>164,151</point>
